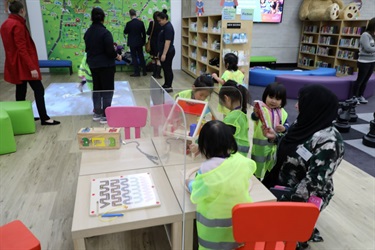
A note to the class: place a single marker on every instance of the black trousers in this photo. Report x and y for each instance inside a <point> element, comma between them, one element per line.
<point>167,68</point>
<point>37,86</point>
<point>103,80</point>
<point>364,73</point>
<point>137,52</point>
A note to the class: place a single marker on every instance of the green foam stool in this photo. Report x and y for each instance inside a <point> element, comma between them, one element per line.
<point>21,115</point>
<point>7,141</point>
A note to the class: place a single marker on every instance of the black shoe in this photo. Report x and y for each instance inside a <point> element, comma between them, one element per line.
<point>36,118</point>
<point>50,123</point>
<point>145,73</point>
<point>168,89</point>
<point>315,237</point>
<point>135,75</point>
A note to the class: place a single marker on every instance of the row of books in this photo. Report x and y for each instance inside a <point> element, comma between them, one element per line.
<point>324,51</point>
<point>353,30</point>
<point>322,64</point>
<point>347,54</point>
<point>312,29</point>
<point>307,39</point>
<point>349,42</point>
<point>344,69</point>
<point>329,29</point>
<point>307,48</point>
<point>305,61</point>
<point>327,40</point>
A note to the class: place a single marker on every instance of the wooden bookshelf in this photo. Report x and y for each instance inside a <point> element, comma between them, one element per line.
<point>202,40</point>
<point>332,44</point>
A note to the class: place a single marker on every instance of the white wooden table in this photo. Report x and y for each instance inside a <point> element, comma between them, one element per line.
<point>169,212</point>
<point>127,157</point>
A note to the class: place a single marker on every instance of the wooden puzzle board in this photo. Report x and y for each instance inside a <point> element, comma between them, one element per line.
<point>121,193</point>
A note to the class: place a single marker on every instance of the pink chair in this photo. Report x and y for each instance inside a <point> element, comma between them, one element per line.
<point>158,116</point>
<point>273,225</point>
<point>127,117</point>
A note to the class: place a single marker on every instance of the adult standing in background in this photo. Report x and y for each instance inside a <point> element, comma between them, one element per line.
<point>21,59</point>
<point>166,49</point>
<point>101,57</point>
<point>365,63</point>
<point>135,29</point>
<point>153,31</point>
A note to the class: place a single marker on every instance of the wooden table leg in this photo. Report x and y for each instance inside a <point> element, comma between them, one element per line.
<point>79,244</point>
<point>189,234</point>
<point>176,236</point>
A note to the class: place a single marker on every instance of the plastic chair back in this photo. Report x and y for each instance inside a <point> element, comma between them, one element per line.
<point>127,117</point>
<point>273,225</point>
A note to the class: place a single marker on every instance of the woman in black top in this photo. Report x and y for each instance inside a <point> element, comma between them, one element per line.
<point>155,28</point>
<point>166,49</point>
<point>101,57</point>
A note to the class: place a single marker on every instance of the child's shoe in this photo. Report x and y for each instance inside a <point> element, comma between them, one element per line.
<point>362,100</point>
<point>80,85</point>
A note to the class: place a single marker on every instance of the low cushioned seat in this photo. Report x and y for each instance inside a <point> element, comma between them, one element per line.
<point>15,235</point>
<point>21,115</point>
<point>341,86</point>
<point>56,64</point>
<point>7,141</point>
<point>263,77</point>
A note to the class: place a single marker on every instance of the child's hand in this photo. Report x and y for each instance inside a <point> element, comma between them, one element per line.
<point>268,132</point>
<point>280,129</point>
<point>214,75</point>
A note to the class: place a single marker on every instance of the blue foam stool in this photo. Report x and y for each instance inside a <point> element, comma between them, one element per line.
<point>7,141</point>
<point>21,115</point>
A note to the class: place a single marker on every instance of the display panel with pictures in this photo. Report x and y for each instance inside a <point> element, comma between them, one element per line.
<point>265,11</point>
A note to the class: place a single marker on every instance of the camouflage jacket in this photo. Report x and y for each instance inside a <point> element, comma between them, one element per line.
<point>314,176</point>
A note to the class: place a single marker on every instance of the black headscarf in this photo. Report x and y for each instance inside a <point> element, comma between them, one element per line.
<point>317,109</point>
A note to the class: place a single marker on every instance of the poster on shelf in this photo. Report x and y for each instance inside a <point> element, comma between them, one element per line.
<point>247,14</point>
<point>228,14</point>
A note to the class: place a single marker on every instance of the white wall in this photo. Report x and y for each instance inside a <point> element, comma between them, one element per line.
<point>175,18</point>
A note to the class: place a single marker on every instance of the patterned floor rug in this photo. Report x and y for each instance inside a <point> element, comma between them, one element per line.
<point>65,99</point>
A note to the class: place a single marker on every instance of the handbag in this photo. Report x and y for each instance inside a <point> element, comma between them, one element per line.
<point>148,43</point>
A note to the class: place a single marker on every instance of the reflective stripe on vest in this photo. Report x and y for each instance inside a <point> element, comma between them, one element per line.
<point>261,142</point>
<point>217,245</point>
<point>243,149</point>
<point>262,158</point>
<point>214,222</point>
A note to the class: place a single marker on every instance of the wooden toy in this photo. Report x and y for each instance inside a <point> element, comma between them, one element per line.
<point>99,138</point>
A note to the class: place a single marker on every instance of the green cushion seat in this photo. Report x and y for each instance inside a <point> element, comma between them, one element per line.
<point>7,141</point>
<point>21,115</point>
<point>262,59</point>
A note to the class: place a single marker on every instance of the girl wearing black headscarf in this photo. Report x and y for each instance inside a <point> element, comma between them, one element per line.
<point>311,150</point>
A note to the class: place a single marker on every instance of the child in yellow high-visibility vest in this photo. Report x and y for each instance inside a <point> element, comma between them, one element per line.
<point>84,73</point>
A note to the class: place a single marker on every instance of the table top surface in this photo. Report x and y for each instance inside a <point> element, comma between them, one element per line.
<point>84,225</point>
<point>127,157</point>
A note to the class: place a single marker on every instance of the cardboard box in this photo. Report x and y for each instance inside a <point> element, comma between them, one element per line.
<point>99,138</point>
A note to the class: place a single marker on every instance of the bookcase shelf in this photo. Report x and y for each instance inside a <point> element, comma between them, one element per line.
<point>202,40</point>
<point>331,44</point>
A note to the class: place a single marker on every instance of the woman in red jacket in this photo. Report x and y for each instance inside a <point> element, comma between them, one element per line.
<point>21,59</point>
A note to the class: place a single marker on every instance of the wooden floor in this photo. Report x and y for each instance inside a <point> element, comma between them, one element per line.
<point>38,186</point>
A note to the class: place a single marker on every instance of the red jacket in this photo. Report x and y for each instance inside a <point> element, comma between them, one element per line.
<point>21,56</point>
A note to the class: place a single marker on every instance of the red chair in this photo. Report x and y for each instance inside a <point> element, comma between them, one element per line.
<point>15,235</point>
<point>273,225</point>
<point>127,117</point>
